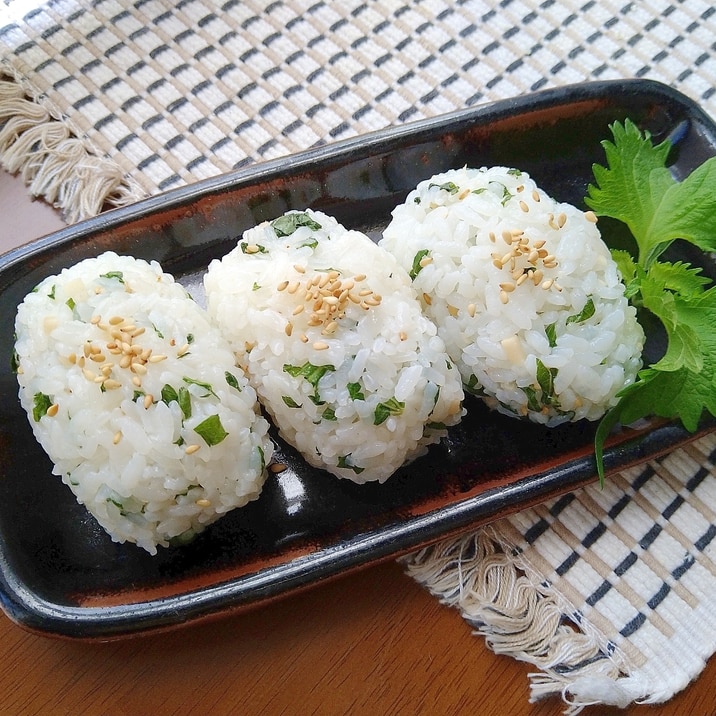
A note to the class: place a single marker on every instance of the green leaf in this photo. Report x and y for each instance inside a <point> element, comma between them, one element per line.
<point>232,380</point>
<point>41,404</point>
<point>585,314</point>
<point>288,223</point>
<point>290,402</point>
<point>449,187</point>
<point>211,430</point>
<point>417,268</point>
<point>117,275</point>
<point>384,410</point>
<point>201,384</point>
<point>311,373</point>
<point>637,188</point>
<point>355,392</point>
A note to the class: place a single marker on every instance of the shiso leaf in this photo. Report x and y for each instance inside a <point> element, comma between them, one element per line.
<point>288,223</point>
<point>416,267</point>
<point>211,430</point>
<point>637,188</point>
<point>41,404</point>
<point>384,410</point>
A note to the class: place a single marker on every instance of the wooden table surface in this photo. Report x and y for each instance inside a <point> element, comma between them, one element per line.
<point>370,642</point>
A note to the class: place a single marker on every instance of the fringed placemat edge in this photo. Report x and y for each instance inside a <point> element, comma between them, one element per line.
<point>483,577</point>
<point>52,161</point>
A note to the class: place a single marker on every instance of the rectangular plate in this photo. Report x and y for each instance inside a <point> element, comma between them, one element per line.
<point>61,574</point>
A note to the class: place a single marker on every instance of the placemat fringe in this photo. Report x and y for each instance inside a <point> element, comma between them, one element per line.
<point>485,580</point>
<point>55,164</point>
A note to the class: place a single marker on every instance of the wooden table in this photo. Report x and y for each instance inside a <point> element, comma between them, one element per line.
<point>371,642</point>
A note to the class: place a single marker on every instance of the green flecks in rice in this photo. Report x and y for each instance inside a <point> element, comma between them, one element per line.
<point>352,373</point>
<point>137,400</point>
<point>523,291</point>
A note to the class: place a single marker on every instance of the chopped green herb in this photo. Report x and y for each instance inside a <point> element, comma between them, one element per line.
<point>417,267</point>
<point>211,430</point>
<point>118,275</point>
<point>288,223</point>
<point>41,404</point>
<point>355,392</point>
<point>551,333</point>
<point>344,461</point>
<point>71,303</point>
<point>256,248</point>
<point>232,380</point>
<point>182,397</point>
<point>449,187</point>
<point>51,294</point>
<point>329,414</point>
<point>545,379</point>
<point>384,410</point>
<point>585,314</point>
<point>311,244</point>
<point>256,286</point>
<point>311,373</point>
<point>290,401</point>
<point>206,386</point>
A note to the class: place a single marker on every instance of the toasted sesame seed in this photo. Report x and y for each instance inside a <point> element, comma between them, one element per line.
<point>203,502</point>
<point>425,261</point>
<point>293,287</point>
<point>507,237</point>
<point>282,286</point>
<point>504,298</point>
<point>508,287</point>
<point>471,308</point>
<point>360,277</point>
<point>452,310</point>
<point>403,336</point>
<point>252,249</point>
<point>535,195</point>
<point>427,299</point>
<point>299,268</point>
<point>148,400</point>
<point>288,330</point>
<point>546,285</point>
<point>524,206</point>
<point>98,357</point>
<point>138,368</point>
<point>53,410</point>
<point>72,358</point>
<point>332,327</point>
<point>95,320</point>
<point>492,236</point>
<point>117,437</point>
<point>539,244</point>
<point>137,381</point>
<point>116,320</point>
<point>191,449</point>
<point>590,216</point>
<point>522,279</point>
<point>320,346</point>
<point>156,358</point>
<point>299,309</point>
<point>304,338</point>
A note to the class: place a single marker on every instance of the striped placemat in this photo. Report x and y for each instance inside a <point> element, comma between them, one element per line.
<point>609,593</point>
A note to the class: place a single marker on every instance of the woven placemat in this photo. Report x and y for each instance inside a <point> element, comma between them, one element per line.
<point>609,593</point>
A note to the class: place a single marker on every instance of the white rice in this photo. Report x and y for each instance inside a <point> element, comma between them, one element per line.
<point>352,373</point>
<point>523,290</point>
<point>155,450</point>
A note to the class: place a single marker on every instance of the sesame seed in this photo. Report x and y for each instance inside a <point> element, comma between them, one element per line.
<point>507,237</point>
<point>203,502</point>
<point>299,309</point>
<point>288,330</point>
<point>116,320</point>
<point>293,287</point>
<point>320,346</point>
<point>110,384</point>
<point>524,206</point>
<point>282,286</point>
<point>561,220</point>
<point>191,449</point>
<point>252,249</point>
<point>504,298</point>
<point>471,308</point>
<point>157,358</point>
<point>299,268</point>
<point>117,437</point>
<point>403,336</point>
<point>95,320</point>
<point>148,400</point>
<point>425,261</point>
<point>427,299</point>
<point>452,310</point>
<point>53,410</point>
<point>546,285</point>
<point>590,216</point>
<point>535,195</point>
<point>508,287</point>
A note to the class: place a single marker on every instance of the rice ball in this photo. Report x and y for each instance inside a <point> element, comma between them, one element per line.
<point>523,290</point>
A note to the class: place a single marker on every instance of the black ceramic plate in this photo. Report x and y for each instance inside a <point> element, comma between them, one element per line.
<point>60,574</point>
